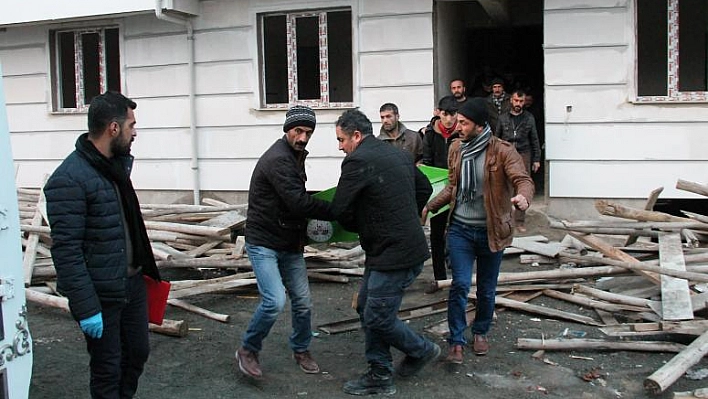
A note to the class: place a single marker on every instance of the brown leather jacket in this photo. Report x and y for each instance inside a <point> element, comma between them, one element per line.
<point>503,168</point>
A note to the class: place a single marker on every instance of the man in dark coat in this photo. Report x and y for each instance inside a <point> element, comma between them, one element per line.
<point>278,206</point>
<point>100,246</point>
<point>380,195</point>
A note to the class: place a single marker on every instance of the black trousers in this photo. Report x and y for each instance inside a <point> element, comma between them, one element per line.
<point>118,357</point>
<point>438,225</point>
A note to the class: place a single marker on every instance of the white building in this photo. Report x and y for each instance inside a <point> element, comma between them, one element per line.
<point>212,79</point>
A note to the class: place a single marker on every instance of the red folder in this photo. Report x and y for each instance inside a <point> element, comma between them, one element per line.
<point>157,292</point>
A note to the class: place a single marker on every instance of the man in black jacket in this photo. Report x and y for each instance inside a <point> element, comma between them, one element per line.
<point>100,246</point>
<point>380,195</point>
<point>436,141</point>
<point>278,206</point>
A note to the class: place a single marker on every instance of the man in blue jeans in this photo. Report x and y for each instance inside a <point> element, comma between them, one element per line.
<point>380,195</point>
<point>278,206</point>
<point>482,172</point>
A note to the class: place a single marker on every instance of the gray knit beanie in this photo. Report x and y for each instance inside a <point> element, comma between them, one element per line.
<point>299,115</point>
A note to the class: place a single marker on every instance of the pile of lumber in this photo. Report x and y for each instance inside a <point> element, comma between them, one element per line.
<point>199,237</point>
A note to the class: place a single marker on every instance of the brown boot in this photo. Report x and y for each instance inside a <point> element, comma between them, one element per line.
<point>455,355</point>
<point>306,362</point>
<point>480,345</point>
<point>248,363</point>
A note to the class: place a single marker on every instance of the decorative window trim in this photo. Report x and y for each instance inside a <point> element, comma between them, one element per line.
<point>291,49</point>
<point>674,95</point>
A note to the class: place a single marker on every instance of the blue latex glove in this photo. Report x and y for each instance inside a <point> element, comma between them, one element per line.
<point>93,326</point>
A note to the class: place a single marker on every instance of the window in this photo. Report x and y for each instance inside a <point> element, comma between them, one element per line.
<point>672,58</point>
<point>306,58</point>
<point>85,63</point>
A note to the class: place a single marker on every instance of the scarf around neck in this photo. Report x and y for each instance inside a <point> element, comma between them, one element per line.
<point>445,132</point>
<point>116,171</point>
<point>470,151</point>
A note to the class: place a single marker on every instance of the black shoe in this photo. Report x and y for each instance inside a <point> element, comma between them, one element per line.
<point>371,383</point>
<point>410,366</point>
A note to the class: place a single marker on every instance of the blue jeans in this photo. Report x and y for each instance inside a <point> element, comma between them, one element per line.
<point>275,272</point>
<point>118,357</point>
<point>380,296</point>
<point>466,244</point>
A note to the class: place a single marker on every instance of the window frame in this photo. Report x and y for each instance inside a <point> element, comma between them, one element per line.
<point>291,51</point>
<point>55,65</point>
<point>673,94</point>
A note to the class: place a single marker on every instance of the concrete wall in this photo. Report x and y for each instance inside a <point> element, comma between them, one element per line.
<point>393,62</point>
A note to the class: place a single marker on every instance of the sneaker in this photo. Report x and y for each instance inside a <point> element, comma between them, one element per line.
<point>371,383</point>
<point>248,363</point>
<point>480,345</point>
<point>306,362</point>
<point>455,355</point>
<point>412,365</point>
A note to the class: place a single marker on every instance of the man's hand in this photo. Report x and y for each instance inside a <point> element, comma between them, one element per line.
<point>535,167</point>
<point>93,326</point>
<point>424,216</point>
<point>520,202</point>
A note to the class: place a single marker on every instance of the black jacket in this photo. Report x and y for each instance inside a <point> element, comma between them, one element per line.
<point>380,195</point>
<point>278,203</point>
<point>523,136</point>
<point>435,146</point>
<point>88,234</point>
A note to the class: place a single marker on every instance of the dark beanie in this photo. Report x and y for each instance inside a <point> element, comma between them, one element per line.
<point>299,115</point>
<point>475,109</point>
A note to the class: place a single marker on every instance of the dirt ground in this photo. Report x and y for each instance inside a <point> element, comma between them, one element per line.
<point>202,365</point>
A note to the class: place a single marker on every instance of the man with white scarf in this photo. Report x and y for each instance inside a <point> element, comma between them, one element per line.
<point>487,178</point>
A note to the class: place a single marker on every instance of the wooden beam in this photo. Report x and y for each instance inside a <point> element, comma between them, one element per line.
<point>675,296</point>
<point>598,344</point>
<point>676,367</point>
<point>649,206</point>
<point>550,312</point>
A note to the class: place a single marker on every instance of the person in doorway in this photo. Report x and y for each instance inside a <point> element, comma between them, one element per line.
<point>438,136</point>
<point>518,127</point>
<point>278,206</point>
<point>458,91</point>
<point>380,195</point>
<point>483,171</point>
<point>497,102</point>
<point>395,133</point>
<point>100,246</point>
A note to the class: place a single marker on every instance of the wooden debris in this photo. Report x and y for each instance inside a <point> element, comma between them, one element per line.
<point>677,366</point>
<point>675,297</point>
<point>598,344</point>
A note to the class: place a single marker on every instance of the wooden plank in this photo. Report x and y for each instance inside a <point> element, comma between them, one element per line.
<point>651,201</point>
<point>675,296</point>
<point>200,250</point>
<point>550,249</point>
<point>173,253</point>
<point>598,344</point>
<point>688,327</point>
<point>30,254</point>
<point>550,312</point>
<point>230,220</point>
<point>404,314</point>
<point>607,317</point>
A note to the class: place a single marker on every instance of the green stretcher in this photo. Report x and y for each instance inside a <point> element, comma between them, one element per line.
<point>321,231</point>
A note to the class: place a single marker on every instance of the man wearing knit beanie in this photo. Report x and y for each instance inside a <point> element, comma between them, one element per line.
<point>278,205</point>
<point>487,178</point>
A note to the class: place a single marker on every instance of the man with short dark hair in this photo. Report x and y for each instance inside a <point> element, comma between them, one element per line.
<point>100,246</point>
<point>278,205</point>
<point>438,136</point>
<point>379,195</point>
<point>395,132</point>
<point>518,127</point>
<point>486,178</point>
<point>458,90</point>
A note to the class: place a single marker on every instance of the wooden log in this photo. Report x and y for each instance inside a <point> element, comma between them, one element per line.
<point>229,220</point>
<point>326,277</point>
<point>555,313</point>
<point>526,259</point>
<point>200,250</point>
<point>27,228</point>
<point>208,288</point>
<point>173,253</point>
<point>192,229</point>
<point>346,271</point>
<point>224,318</point>
<point>47,300</point>
<point>614,253</point>
<point>675,295</point>
<point>157,235</point>
<point>611,297</point>
<point>33,240</point>
<point>696,188</point>
<point>689,327</point>
<point>173,328</point>
<point>590,303</point>
<point>614,209</point>
<point>545,249</point>
<point>647,267</point>
<point>649,206</point>
<point>598,344</point>
<point>617,231</point>
<point>676,367</point>
<point>222,263</point>
<point>700,393</point>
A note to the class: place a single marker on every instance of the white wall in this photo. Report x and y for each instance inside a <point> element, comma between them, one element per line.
<point>392,63</point>
<point>599,144</point>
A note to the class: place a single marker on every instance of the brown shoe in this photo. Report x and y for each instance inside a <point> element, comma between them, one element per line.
<point>306,362</point>
<point>248,363</point>
<point>455,354</point>
<point>480,345</point>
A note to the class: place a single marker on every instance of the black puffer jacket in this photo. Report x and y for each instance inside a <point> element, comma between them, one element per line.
<point>278,204</point>
<point>88,234</point>
<point>380,195</point>
<point>435,146</point>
